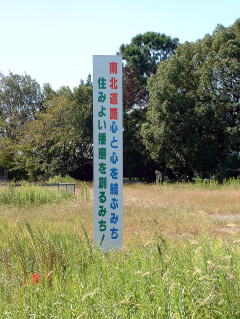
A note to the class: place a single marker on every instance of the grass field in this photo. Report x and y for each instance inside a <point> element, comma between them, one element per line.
<point>181,255</point>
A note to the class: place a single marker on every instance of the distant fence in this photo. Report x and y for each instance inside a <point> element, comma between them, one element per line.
<point>69,187</point>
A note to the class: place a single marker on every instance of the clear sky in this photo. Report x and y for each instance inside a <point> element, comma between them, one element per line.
<point>54,40</point>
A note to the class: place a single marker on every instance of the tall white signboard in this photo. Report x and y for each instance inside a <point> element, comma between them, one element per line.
<point>108,151</point>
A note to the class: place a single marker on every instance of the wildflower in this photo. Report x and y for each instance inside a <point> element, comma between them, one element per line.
<point>35,278</point>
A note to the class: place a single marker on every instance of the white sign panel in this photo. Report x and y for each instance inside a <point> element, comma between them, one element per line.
<point>108,151</point>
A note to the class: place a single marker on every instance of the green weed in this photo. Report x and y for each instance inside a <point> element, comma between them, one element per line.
<point>31,195</point>
<point>165,279</point>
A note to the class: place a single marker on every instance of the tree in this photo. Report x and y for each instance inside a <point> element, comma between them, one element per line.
<point>20,99</point>
<point>84,127</point>
<point>89,80</point>
<point>133,93</point>
<point>65,91</point>
<point>193,116</point>
<point>142,56</point>
<point>146,51</point>
<point>48,92</point>
<point>59,140</point>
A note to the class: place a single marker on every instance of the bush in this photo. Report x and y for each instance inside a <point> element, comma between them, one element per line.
<point>31,195</point>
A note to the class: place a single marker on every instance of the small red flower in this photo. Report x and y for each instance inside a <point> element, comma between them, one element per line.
<point>35,278</point>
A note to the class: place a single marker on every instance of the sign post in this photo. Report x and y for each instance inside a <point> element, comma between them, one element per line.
<point>108,151</point>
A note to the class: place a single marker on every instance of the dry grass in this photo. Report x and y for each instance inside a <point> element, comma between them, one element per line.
<point>178,211</point>
<point>149,210</point>
<point>180,260</point>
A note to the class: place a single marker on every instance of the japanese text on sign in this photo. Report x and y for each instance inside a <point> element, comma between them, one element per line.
<point>107,140</point>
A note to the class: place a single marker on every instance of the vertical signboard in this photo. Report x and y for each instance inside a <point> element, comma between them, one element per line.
<point>108,151</point>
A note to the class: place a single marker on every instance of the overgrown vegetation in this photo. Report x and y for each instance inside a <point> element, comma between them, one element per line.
<point>164,279</point>
<point>180,257</point>
<point>192,123</point>
<point>208,184</point>
<point>32,195</point>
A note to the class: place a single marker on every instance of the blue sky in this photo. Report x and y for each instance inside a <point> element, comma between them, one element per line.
<point>54,41</point>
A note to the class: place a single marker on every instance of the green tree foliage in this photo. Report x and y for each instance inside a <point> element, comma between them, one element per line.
<point>146,51</point>
<point>136,159</point>
<point>48,92</point>
<point>20,100</point>
<point>59,140</point>
<point>84,128</point>
<point>193,119</point>
<point>142,57</point>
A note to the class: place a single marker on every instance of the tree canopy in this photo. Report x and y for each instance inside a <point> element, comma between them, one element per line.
<point>146,51</point>
<point>193,116</point>
<point>59,140</point>
<point>20,99</point>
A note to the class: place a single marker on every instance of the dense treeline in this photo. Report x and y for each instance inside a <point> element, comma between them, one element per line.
<point>181,114</point>
<point>47,135</point>
<point>193,120</point>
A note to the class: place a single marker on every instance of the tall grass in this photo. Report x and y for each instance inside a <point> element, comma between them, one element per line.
<point>31,195</point>
<point>82,186</point>
<point>163,279</point>
<point>176,262</point>
<point>210,184</point>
